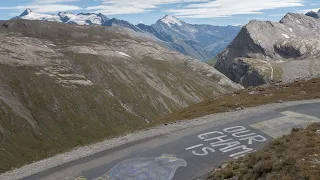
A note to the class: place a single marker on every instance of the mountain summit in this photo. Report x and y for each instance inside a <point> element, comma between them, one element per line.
<point>26,12</point>
<point>313,14</point>
<point>200,41</point>
<point>171,20</point>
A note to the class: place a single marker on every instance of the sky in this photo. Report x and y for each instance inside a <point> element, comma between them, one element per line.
<point>216,12</point>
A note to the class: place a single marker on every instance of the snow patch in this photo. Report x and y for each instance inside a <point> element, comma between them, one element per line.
<point>286,36</point>
<point>290,29</point>
<point>52,45</point>
<point>35,16</point>
<point>123,54</point>
<point>171,20</point>
<point>64,17</point>
<point>82,19</point>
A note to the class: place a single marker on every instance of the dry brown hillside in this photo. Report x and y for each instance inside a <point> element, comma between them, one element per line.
<point>292,157</point>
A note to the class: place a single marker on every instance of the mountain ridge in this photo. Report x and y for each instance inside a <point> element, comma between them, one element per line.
<point>313,14</point>
<point>199,41</point>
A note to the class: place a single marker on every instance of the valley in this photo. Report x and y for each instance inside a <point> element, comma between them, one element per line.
<point>85,96</point>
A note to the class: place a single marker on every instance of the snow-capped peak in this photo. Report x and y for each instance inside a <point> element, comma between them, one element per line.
<point>26,12</point>
<point>65,17</point>
<point>30,15</point>
<point>171,20</point>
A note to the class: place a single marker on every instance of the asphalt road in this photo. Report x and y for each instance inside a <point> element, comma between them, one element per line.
<point>184,155</point>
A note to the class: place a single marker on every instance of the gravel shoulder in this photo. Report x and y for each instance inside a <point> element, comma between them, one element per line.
<point>189,125</point>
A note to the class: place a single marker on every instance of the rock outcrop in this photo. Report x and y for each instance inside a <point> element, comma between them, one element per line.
<point>267,51</point>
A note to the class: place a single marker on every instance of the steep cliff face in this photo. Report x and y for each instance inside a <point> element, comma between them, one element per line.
<point>267,51</point>
<point>66,85</point>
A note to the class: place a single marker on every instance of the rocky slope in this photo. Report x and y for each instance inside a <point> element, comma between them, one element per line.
<point>273,51</point>
<point>67,85</point>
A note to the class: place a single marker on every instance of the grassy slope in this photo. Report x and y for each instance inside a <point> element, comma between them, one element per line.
<point>251,97</point>
<point>291,157</point>
<point>65,118</point>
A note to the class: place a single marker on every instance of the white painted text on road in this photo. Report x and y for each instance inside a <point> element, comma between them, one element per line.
<point>233,140</point>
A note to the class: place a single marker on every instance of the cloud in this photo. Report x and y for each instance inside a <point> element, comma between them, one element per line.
<point>308,10</point>
<point>46,6</point>
<point>182,8</point>
<point>53,1</point>
<point>194,8</point>
<point>227,8</point>
<point>277,15</point>
<point>111,7</point>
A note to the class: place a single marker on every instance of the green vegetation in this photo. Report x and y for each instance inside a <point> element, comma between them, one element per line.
<point>291,157</point>
<point>212,61</point>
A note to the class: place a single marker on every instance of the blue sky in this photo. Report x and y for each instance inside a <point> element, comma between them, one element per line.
<point>217,12</point>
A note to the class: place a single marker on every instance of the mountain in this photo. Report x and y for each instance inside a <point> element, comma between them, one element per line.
<point>121,23</point>
<point>313,14</point>
<point>267,51</point>
<point>200,41</point>
<point>160,35</point>
<point>30,15</point>
<point>64,17</point>
<point>63,86</point>
<point>83,18</point>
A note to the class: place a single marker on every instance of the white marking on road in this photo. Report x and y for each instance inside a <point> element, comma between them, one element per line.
<point>193,147</point>
<point>251,139</point>
<point>163,167</point>
<point>230,140</point>
<point>283,125</point>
